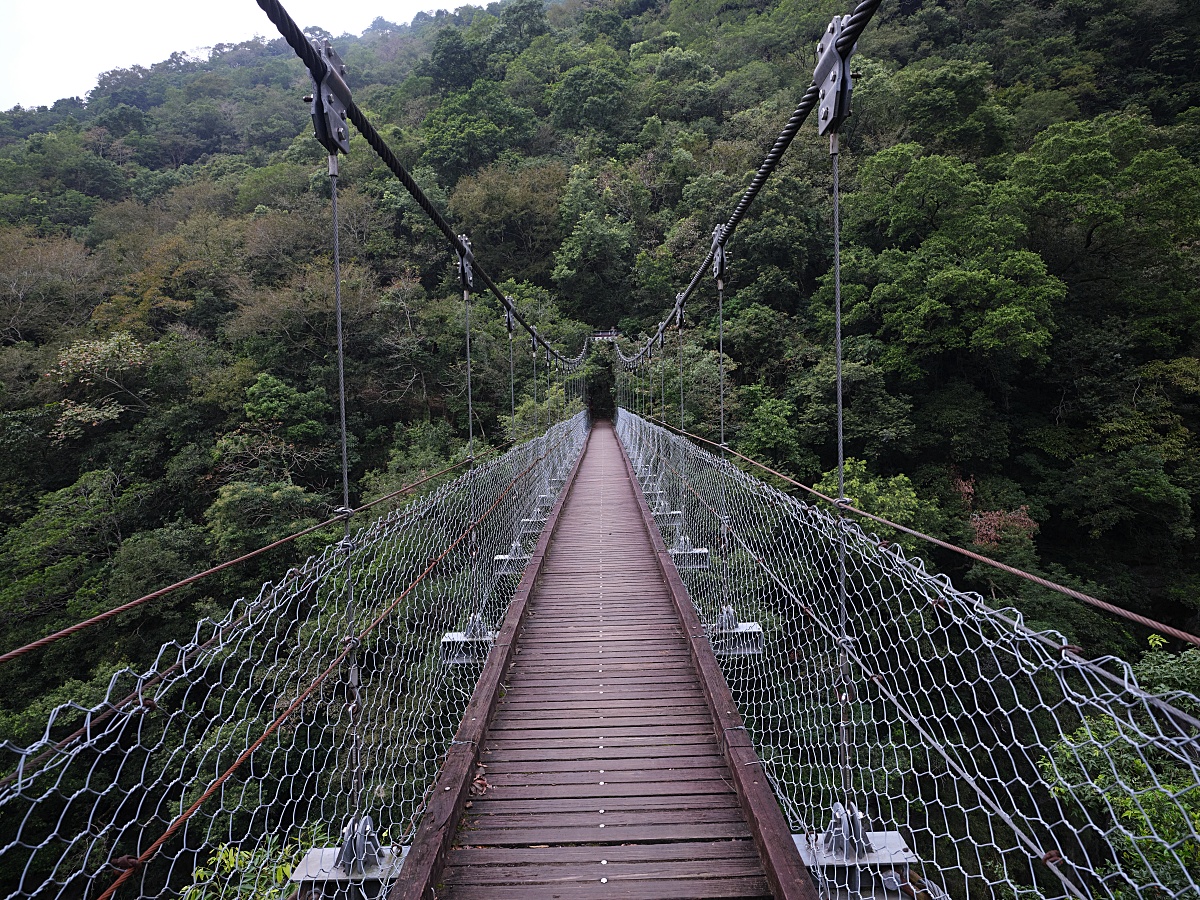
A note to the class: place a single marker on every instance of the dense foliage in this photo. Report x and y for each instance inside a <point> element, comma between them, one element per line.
<point>1022,217</point>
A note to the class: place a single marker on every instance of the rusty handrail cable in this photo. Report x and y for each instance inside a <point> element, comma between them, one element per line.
<point>221,567</point>
<point>1088,599</point>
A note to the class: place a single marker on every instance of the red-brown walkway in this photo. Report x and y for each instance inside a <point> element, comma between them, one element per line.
<point>604,776</point>
<point>608,748</point>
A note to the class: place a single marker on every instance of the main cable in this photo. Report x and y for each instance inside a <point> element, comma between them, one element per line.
<point>317,67</point>
<point>851,31</point>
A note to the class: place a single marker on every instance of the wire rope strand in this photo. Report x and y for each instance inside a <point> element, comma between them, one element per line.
<point>844,689</point>
<point>354,701</point>
<point>470,393</point>
<point>662,365</point>
<point>724,446</point>
<point>851,31</point>
<point>679,340</point>
<point>512,383</point>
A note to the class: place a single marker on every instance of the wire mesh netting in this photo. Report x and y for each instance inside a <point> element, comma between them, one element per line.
<point>985,759</point>
<point>80,806</point>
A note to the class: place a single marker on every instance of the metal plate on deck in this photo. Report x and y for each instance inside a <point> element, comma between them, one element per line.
<point>509,564</point>
<point>532,526</point>
<point>690,559</point>
<point>891,852</point>
<point>458,649</point>
<point>745,640</point>
<point>320,865</point>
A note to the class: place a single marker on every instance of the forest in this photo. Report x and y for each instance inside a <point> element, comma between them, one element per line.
<point>1021,251</point>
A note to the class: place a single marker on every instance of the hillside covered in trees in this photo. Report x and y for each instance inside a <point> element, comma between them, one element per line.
<point>1021,249</point>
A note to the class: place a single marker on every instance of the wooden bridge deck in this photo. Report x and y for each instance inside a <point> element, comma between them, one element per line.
<point>604,760</point>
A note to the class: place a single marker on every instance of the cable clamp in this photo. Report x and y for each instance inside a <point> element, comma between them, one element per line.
<point>832,77</point>
<point>352,642</point>
<point>842,503</point>
<point>330,97</point>
<point>343,512</point>
<point>718,251</point>
<point>466,263</point>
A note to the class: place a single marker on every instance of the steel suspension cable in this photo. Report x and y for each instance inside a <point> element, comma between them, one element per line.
<point>679,341</point>
<point>851,31</point>
<point>353,698</point>
<point>512,379</point>
<point>843,616</point>
<point>317,67</point>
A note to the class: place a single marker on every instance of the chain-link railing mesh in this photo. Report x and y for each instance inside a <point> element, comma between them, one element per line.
<point>1007,766</point>
<point>79,806</point>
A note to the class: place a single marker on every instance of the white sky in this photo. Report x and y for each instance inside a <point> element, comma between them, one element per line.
<point>57,48</point>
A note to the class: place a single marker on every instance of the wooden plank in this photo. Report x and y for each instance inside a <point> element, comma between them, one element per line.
<point>612,789</point>
<point>658,750</point>
<point>480,817</point>
<point>484,806</point>
<point>656,776</point>
<point>649,889</point>
<point>618,834</point>
<point>626,853</point>
<point>502,765</point>
<point>613,871</point>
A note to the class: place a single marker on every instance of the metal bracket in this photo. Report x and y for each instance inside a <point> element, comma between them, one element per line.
<point>466,264</point>
<point>832,77</point>
<point>886,866</point>
<point>360,846</point>
<point>845,835</point>
<point>513,562</point>
<point>471,645</point>
<point>687,556</point>
<point>718,250</point>
<point>729,637</point>
<point>330,98</point>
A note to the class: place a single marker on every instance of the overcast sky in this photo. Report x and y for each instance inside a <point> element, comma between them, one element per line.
<point>56,48</point>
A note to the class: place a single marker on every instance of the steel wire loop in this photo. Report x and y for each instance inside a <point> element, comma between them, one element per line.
<point>85,805</point>
<point>1008,765</point>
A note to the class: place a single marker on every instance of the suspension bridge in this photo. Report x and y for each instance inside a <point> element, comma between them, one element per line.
<point>608,662</point>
